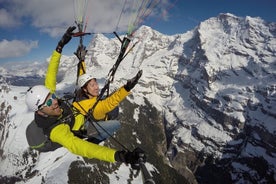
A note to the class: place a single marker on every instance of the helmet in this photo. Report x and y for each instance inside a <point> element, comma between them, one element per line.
<point>36,96</point>
<point>83,79</point>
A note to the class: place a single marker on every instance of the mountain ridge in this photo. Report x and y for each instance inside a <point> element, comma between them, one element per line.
<point>214,89</point>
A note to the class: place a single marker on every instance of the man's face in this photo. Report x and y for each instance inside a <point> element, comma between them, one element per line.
<point>51,106</point>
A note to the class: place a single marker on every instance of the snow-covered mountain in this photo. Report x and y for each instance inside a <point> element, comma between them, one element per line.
<point>204,109</point>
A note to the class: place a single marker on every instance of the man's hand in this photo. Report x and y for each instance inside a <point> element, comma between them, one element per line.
<point>131,157</point>
<point>65,38</point>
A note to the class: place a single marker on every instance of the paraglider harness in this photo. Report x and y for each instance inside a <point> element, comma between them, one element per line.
<point>39,141</point>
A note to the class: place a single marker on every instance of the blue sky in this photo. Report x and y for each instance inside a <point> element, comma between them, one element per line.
<point>30,29</point>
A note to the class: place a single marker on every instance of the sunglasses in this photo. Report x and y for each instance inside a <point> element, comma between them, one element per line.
<point>49,102</point>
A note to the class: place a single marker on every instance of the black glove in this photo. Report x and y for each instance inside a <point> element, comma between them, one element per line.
<point>81,52</point>
<point>132,82</point>
<point>134,157</point>
<point>65,39</point>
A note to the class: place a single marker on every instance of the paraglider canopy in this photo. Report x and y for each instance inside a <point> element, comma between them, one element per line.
<point>141,9</point>
<point>80,8</point>
<point>132,14</point>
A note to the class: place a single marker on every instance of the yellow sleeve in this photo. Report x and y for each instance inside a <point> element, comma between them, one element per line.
<point>104,106</point>
<point>51,75</point>
<point>79,121</point>
<point>62,135</point>
<point>84,105</point>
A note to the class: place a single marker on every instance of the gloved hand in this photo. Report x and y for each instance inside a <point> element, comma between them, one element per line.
<point>131,157</point>
<point>132,82</point>
<point>81,52</point>
<point>65,38</point>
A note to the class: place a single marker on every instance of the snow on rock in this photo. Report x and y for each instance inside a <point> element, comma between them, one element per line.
<point>214,87</point>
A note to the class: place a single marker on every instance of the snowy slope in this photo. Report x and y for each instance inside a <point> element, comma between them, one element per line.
<point>213,90</point>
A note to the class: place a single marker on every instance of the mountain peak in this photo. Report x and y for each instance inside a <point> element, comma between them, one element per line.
<point>226,15</point>
<point>208,95</point>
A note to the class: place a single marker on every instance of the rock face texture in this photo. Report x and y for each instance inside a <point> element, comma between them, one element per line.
<point>204,109</point>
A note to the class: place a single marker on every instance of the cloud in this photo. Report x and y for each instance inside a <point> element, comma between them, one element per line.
<point>16,48</point>
<point>7,20</point>
<point>52,17</point>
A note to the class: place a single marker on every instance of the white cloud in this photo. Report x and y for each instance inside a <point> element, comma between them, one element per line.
<point>7,20</point>
<point>16,48</point>
<point>52,17</point>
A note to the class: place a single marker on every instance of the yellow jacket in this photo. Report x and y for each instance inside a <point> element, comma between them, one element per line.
<point>103,106</point>
<point>62,133</point>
